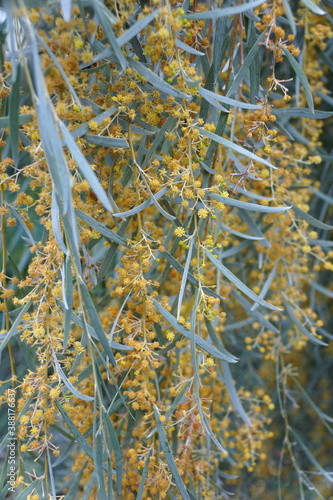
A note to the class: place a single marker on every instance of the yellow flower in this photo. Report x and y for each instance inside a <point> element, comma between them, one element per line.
<point>169,335</point>
<point>87,56</point>
<point>93,125</point>
<point>315,159</point>
<point>203,213</point>
<point>179,231</point>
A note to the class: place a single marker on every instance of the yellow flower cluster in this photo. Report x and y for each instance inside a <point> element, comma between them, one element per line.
<point>153,246</point>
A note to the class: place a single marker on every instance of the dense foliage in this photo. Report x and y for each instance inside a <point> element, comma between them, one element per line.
<point>166,283</point>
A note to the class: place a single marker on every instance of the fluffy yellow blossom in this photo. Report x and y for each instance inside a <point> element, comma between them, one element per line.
<point>203,213</point>
<point>179,231</point>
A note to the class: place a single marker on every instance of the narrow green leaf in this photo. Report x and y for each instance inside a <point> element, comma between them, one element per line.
<point>314,7</point>
<point>254,68</point>
<point>300,73</point>
<point>68,295</point>
<point>156,81</point>
<point>311,220</point>
<point>154,199</point>
<point>184,278</point>
<point>220,128</point>
<point>323,290</point>
<point>255,314</point>
<point>245,205</point>
<point>52,488</point>
<point>146,125</point>
<point>66,8</point>
<point>174,405</point>
<point>105,19</point>
<point>84,129</point>
<point>4,442</point>
<point>323,196</point>
<point>241,235</point>
<point>103,230</point>
<point>235,147</point>
<point>139,130</point>
<point>212,101</point>
<point>26,492</point>
<point>290,16</point>
<point>136,28</point>
<point>203,344</point>
<point>15,269</point>
<point>227,11</point>
<point>325,244</point>
<point>49,134</point>
<point>302,113</point>
<point>325,97</point>
<point>246,64</point>
<point>144,476</point>
<point>90,67</point>
<point>187,48</point>
<point>205,167</point>
<point>21,222</point>
<point>97,110</point>
<point>160,137</point>
<point>88,490</point>
<point>14,328</point>
<point>229,383</point>
<point>85,168</point>
<point>59,68</point>
<point>106,142</point>
<point>232,102</point>
<point>169,457</point>
<point>196,378</point>
<point>74,431</point>
<point>115,448</point>
<point>253,226</point>
<point>67,383</point>
<point>240,167</point>
<point>292,132</point>
<point>14,109</point>
<point>299,325</point>
<point>3,473</point>
<point>143,205</point>
<point>238,283</point>
<point>78,322</point>
<point>95,321</point>
<point>227,356</point>
<point>22,120</point>
<point>267,284</point>
<point>115,322</point>
<point>234,250</point>
<point>221,43</point>
<point>72,235</point>
<point>313,460</point>
<point>73,492</point>
<point>111,253</point>
<point>245,192</point>
<point>110,480</point>
<point>175,264</point>
<point>55,218</point>
<point>323,416</point>
<point>192,83</point>
<point>99,464</point>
